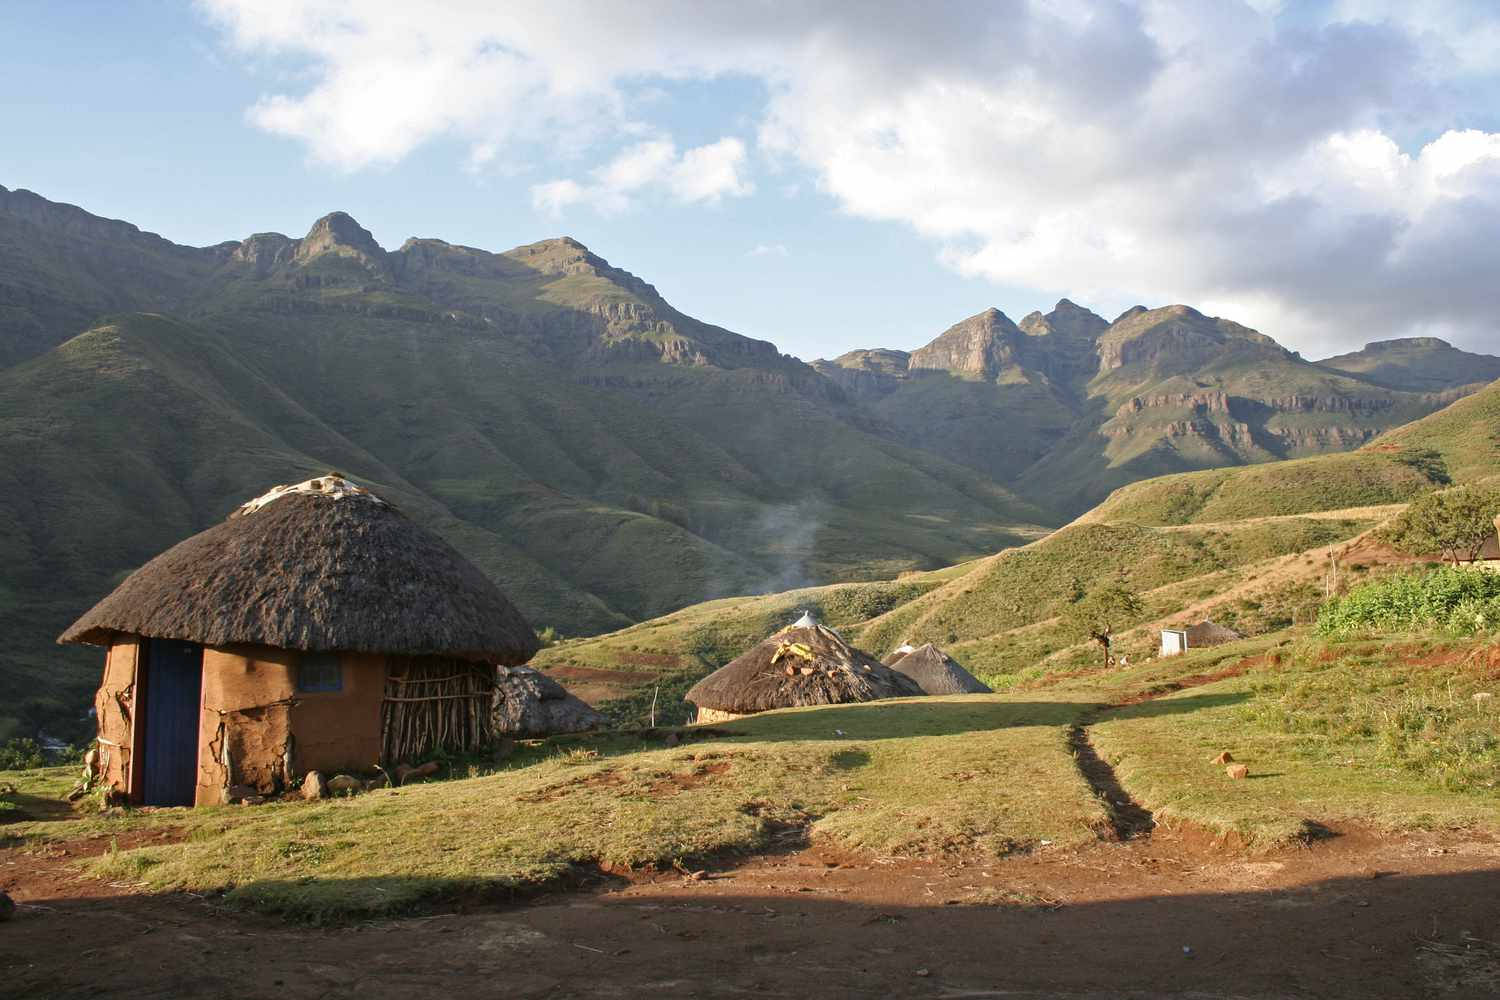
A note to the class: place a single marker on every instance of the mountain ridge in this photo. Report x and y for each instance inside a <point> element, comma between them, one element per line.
<point>604,456</point>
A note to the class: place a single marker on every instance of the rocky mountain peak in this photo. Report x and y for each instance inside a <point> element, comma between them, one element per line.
<point>337,232</point>
<point>983,344</point>
<point>1400,343</point>
<point>1067,320</point>
<point>1177,338</point>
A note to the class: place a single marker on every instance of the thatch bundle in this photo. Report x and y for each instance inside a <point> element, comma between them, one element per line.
<point>937,673</point>
<point>1207,633</point>
<point>800,665</point>
<point>529,703</point>
<point>323,565</point>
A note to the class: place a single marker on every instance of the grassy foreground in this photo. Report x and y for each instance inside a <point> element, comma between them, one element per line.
<point>1386,735</point>
<point>908,777</point>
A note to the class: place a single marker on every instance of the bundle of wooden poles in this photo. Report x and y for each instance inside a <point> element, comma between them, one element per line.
<point>432,703</point>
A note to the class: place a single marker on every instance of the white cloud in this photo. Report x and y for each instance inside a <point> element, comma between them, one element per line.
<point>768,250</point>
<point>1321,172</point>
<point>704,174</point>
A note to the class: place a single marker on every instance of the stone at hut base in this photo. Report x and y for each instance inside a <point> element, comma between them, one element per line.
<point>379,781</point>
<point>1237,771</point>
<point>344,784</point>
<point>1224,758</point>
<point>239,793</point>
<point>312,785</point>
<point>406,773</point>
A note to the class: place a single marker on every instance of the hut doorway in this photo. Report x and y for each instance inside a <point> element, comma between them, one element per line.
<point>173,694</point>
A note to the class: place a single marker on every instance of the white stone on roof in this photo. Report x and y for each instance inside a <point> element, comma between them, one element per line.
<point>333,487</point>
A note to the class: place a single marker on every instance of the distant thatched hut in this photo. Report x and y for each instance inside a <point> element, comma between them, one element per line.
<point>1179,640</point>
<point>894,656</point>
<point>529,703</point>
<point>800,665</point>
<point>937,673</point>
<point>317,628</point>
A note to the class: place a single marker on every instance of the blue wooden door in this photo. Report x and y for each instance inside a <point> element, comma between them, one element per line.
<point>174,688</point>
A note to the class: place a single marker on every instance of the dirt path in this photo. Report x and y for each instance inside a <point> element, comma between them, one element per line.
<point>1146,912</point>
<point>1128,819</point>
<point>1172,916</point>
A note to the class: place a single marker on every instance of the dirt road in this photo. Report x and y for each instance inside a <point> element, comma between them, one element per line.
<point>1170,916</point>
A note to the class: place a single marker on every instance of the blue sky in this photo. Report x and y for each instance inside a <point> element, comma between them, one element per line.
<point>899,170</point>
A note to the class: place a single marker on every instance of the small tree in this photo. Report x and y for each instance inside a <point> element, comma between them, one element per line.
<point>1456,523</point>
<point>1100,613</point>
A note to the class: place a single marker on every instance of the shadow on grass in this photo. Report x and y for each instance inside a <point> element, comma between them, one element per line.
<point>1345,936</point>
<point>1176,706</point>
<point>951,716</point>
<point>33,808</point>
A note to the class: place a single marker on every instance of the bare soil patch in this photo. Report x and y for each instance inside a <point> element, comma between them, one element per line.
<point>1174,916</point>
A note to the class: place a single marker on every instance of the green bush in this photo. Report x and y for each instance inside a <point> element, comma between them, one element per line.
<point>1448,600</point>
<point>20,754</point>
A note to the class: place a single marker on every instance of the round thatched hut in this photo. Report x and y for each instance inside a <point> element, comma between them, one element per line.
<point>937,673</point>
<point>890,659</point>
<point>529,703</point>
<point>317,628</point>
<point>800,665</point>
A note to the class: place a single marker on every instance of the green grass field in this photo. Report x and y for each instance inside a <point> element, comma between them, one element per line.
<point>1381,736</point>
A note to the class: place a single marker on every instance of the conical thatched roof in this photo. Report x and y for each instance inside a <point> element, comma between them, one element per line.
<point>894,656</point>
<point>529,703</point>
<point>937,672</point>
<point>800,665</point>
<point>1207,633</point>
<point>323,565</point>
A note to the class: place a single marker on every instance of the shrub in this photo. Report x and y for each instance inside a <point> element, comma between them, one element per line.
<point>1456,523</point>
<point>1447,600</point>
<point>20,754</point>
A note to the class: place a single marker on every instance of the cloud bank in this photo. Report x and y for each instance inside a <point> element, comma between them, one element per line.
<point>1324,173</point>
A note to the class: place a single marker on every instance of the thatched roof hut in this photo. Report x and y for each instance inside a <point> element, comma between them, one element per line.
<point>937,672</point>
<point>317,628</point>
<point>1207,633</point>
<point>1175,641</point>
<point>529,703</point>
<point>800,665</point>
<point>316,568</point>
<point>894,656</point>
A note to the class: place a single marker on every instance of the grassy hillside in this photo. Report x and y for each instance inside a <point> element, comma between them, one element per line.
<point>1460,443</point>
<point>1466,435</point>
<point>592,507</point>
<point>1250,547</point>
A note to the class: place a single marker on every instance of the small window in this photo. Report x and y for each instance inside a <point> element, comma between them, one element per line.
<point>319,672</point>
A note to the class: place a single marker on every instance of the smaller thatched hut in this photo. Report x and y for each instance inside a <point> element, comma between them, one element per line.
<point>528,703</point>
<point>1175,641</point>
<point>800,665</point>
<point>894,656</point>
<point>937,673</point>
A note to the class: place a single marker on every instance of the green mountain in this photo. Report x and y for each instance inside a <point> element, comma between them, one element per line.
<point>1416,364</point>
<point>603,456</point>
<point>1247,546</point>
<point>1066,407</point>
